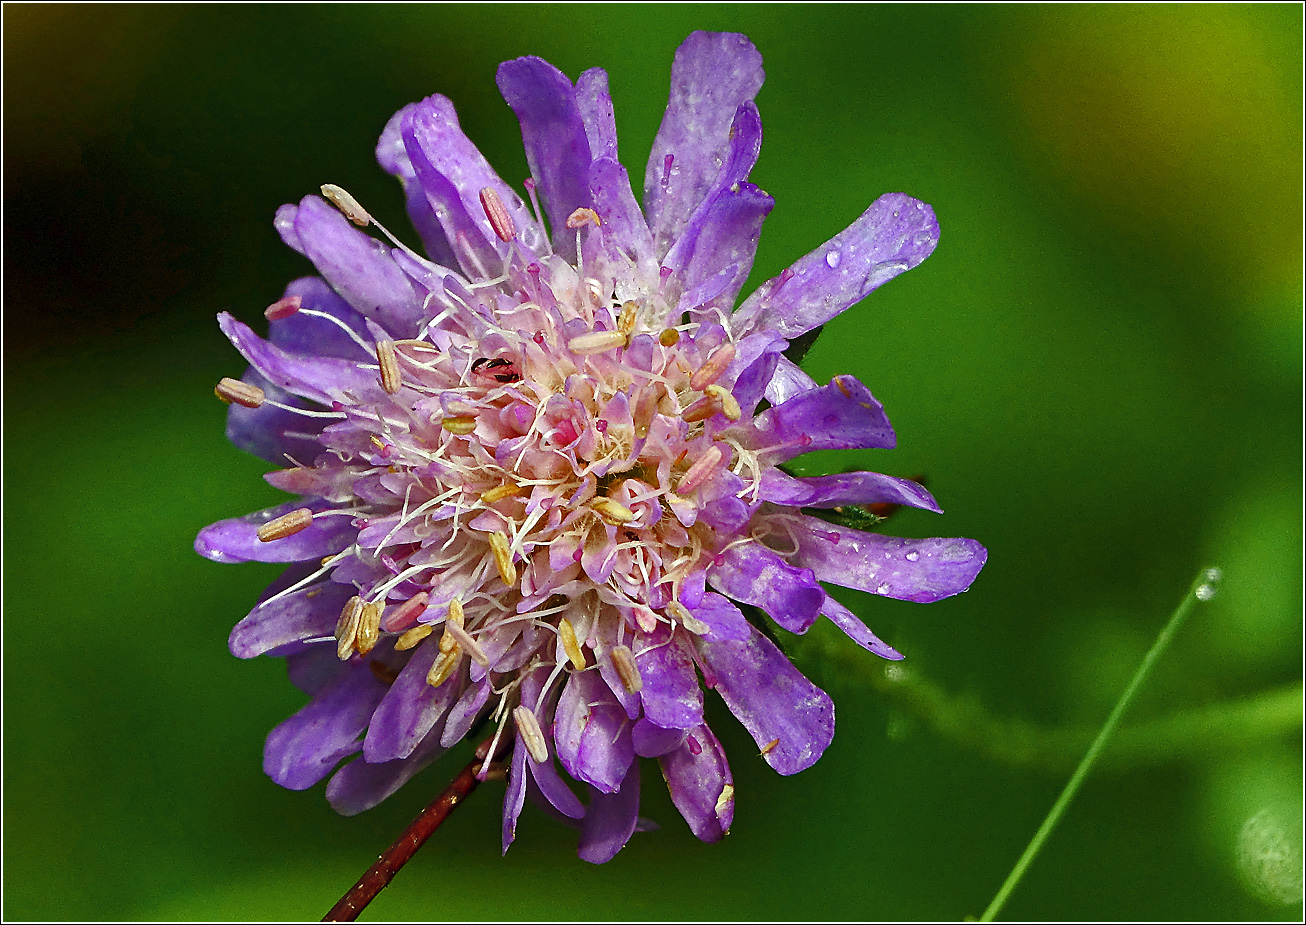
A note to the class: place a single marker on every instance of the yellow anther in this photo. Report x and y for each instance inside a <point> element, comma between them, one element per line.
<point>442,667</point>
<point>461,425</point>
<point>503,558</point>
<point>624,662</point>
<point>413,636</point>
<point>669,338</point>
<point>613,512</point>
<point>570,644</point>
<point>729,407</point>
<point>501,492</point>
<point>347,627</point>
<point>233,391</point>
<point>285,525</point>
<point>385,357</point>
<point>626,320</point>
<point>449,642</point>
<point>369,628</point>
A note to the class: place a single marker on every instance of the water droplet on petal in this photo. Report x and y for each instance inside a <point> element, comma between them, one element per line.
<point>832,259</point>
<point>913,556</point>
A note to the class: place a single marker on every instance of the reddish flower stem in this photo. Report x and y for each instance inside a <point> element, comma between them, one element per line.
<point>398,854</point>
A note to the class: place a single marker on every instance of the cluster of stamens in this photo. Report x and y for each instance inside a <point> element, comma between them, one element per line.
<point>532,475</point>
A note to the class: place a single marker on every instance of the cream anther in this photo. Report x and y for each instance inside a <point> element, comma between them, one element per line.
<point>580,217</point>
<point>624,662</point>
<point>467,643</point>
<point>501,492</point>
<point>503,557</point>
<point>347,627</point>
<point>499,218</point>
<point>680,613</point>
<point>570,644</point>
<point>699,472</point>
<point>285,525</point>
<point>612,511</point>
<point>347,204</point>
<point>596,342</point>
<point>369,628</point>
<point>405,615</point>
<point>729,407</point>
<point>448,641</point>
<point>711,370</point>
<point>528,727</point>
<point>233,391</point>
<point>442,667</point>
<point>385,356</point>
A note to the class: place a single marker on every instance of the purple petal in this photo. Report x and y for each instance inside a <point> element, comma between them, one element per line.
<point>754,368</point>
<point>595,104</point>
<point>317,378</point>
<point>463,714</point>
<point>313,667</point>
<point>361,785</point>
<point>610,820</point>
<point>857,631</point>
<point>701,786</point>
<point>712,75</point>
<point>308,613</point>
<point>236,540</point>
<point>652,741</point>
<point>751,573</point>
<point>554,789</point>
<point>671,693</point>
<point>411,708</point>
<point>627,246</point>
<point>393,158</point>
<point>843,415</point>
<point>305,747</point>
<point>515,796</point>
<point>592,732</point>
<point>553,132</point>
<point>923,571</point>
<point>273,433</point>
<point>359,267</point>
<point>723,618</point>
<point>731,228</point>
<point>745,142</point>
<point>306,334</point>
<point>850,488</point>
<point>895,234</point>
<point>772,700</point>
<point>787,382</point>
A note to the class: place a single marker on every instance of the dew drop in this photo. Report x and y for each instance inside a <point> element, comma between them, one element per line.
<point>1207,589</point>
<point>832,259</point>
<point>913,556</point>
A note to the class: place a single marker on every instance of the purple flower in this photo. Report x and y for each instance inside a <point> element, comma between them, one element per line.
<point>539,473</point>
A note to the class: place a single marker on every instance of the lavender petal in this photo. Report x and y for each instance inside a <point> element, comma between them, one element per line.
<point>515,795</point>
<point>671,694</point>
<point>595,105</point>
<point>895,234</point>
<point>751,573</point>
<point>857,631</point>
<point>592,733</point>
<point>701,785</point>
<point>828,491</point>
<point>840,416</point>
<point>411,708</point>
<point>392,155</point>
<point>236,539</point>
<point>308,613</point>
<point>610,820</point>
<point>361,785</point>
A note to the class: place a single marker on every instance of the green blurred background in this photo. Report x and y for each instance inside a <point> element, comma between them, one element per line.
<point>1099,371</point>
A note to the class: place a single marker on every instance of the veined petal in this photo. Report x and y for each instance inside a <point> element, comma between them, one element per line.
<point>790,718</point>
<point>787,382</point>
<point>392,155</point>
<point>361,784</point>
<point>411,708</point>
<point>727,237</point>
<point>627,247</point>
<point>359,267</point>
<point>723,618</point>
<point>273,433</point>
<point>857,631</point>
<point>701,785</point>
<point>895,234</point>
<point>610,820</point>
<point>671,694</point>
<point>908,570</point>
<point>751,573</point>
<point>653,741</point>
<point>592,732</point>
<point>712,75</point>
<point>826,491</point>
<point>309,613</point>
<point>840,416</point>
<point>236,539</point>
<point>320,379</point>
<point>514,796</point>
<point>553,132</point>
<point>304,748</point>
<point>595,105</point>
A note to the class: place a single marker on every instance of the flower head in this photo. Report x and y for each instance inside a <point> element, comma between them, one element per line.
<point>540,472</point>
